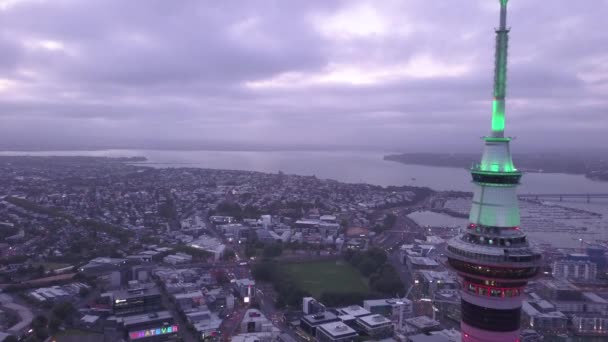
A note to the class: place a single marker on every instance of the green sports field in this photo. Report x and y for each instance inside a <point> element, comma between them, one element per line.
<point>326,276</point>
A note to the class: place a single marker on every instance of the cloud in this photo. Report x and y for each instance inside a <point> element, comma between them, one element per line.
<point>388,74</point>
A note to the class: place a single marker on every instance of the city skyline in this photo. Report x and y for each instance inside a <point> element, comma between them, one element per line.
<point>390,75</point>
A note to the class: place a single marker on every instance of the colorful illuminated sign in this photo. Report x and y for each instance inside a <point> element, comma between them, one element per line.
<point>135,335</point>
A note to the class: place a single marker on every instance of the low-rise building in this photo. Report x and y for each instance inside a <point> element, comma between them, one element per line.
<point>255,321</point>
<point>354,311</point>
<point>430,282</point>
<point>155,326</point>
<point>310,323</point>
<point>312,306</point>
<point>139,300</point>
<point>590,325</point>
<point>421,324</point>
<point>415,263</point>
<point>206,323</point>
<point>178,258</point>
<point>335,332</point>
<point>530,335</point>
<point>575,270</point>
<point>376,326</point>
<point>209,244</point>
<point>538,317</point>
<point>189,300</point>
<point>393,309</point>
<point>245,288</point>
<point>101,265</point>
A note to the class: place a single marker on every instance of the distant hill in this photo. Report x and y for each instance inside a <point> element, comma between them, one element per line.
<point>552,163</point>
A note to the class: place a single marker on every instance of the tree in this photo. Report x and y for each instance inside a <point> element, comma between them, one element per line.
<point>54,324</point>
<point>272,250</point>
<point>279,303</point>
<point>40,270</point>
<point>367,267</point>
<point>84,291</point>
<point>344,298</point>
<point>387,281</point>
<point>229,254</point>
<point>221,277</point>
<point>39,326</point>
<point>63,310</point>
<point>264,271</point>
<point>39,321</point>
<point>250,251</point>
<point>377,254</point>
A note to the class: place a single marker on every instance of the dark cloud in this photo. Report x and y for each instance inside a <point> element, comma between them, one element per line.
<point>388,74</point>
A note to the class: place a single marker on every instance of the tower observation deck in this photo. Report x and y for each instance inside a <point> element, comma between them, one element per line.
<point>492,255</point>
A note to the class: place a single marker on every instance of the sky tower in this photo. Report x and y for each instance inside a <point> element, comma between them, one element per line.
<point>492,255</point>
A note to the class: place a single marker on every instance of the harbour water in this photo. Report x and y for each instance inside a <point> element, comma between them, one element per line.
<point>345,166</point>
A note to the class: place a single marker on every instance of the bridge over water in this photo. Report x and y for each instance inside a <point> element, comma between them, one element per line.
<point>561,197</point>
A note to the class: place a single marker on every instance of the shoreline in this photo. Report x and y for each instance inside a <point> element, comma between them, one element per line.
<point>589,175</point>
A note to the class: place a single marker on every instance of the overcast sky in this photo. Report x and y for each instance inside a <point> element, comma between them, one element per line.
<point>393,74</point>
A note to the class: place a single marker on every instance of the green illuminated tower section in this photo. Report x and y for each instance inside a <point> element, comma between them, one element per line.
<point>500,74</point>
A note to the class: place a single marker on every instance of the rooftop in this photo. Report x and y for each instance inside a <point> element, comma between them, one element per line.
<point>254,315</point>
<point>594,298</point>
<point>422,322</point>
<point>437,275</point>
<point>320,317</point>
<point>195,294</point>
<point>252,337</point>
<point>428,338</point>
<point>143,318</point>
<point>422,261</point>
<point>245,282</point>
<point>395,301</point>
<point>559,285</point>
<point>354,310</point>
<point>148,290</point>
<point>374,320</point>
<point>89,318</point>
<point>337,329</point>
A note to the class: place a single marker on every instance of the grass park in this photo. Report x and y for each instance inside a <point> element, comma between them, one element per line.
<point>321,277</point>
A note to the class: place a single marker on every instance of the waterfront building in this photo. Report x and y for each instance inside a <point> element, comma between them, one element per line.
<point>492,255</point>
<point>590,325</point>
<point>543,318</point>
<point>576,270</point>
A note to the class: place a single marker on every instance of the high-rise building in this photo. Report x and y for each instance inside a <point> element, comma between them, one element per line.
<point>492,255</point>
